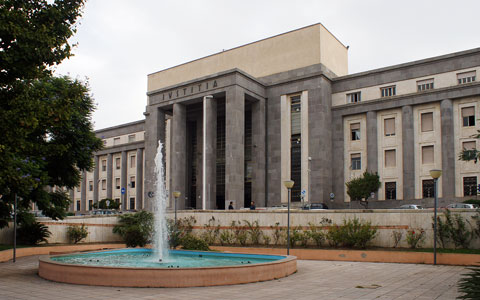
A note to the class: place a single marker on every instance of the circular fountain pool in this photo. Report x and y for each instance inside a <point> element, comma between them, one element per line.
<point>138,268</point>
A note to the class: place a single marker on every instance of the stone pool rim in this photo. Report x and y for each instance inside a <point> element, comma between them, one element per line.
<point>121,276</point>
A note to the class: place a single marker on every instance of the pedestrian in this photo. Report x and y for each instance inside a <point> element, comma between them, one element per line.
<point>231,205</point>
<point>252,205</point>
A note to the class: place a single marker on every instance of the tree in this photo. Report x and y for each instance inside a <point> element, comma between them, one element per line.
<point>136,229</point>
<point>472,154</point>
<point>361,188</point>
<point>47,133</point>
<point>102,204</point>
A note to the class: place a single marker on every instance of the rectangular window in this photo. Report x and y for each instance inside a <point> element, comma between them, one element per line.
<point>78,205</point>
<point>78,189</point>
<point>90,186</point>
<point>117,163</point>
<point>117,183</point>
<point>468,116</point>
<point>104,165</point>
<point>132,182</point>
<point>390,158</point>
<point>355,129</point>
<point>133,161</point>
<point>389,126</point>
<point>104,184</point>
<point>104,142</point>
<point>427,155</point>
<point>296,121</point>
<point>426,121</point>
<point>424,85</point>
<point>354,97</point>
<point>132,203</point>
<point>388,91</point>
<point>428,188</point>
<point>390,190</point>
<point>356,161</point>
<point>472,145</point>
<point>131,138</point>
<point>116,141</point>
<point>470,186</point>
<point>90,204</point>
<point>466,77</point>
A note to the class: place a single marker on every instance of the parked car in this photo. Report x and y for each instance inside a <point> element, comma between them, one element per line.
<point>315,206</point>
<point>411,206</point>
<point>462,205</point>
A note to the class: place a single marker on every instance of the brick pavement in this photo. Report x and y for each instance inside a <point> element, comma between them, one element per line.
<point>314,280</point>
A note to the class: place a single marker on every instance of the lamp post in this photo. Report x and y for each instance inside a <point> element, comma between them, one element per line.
<point>176,194</point>
<point>435,175</point>
<point>288,184</point>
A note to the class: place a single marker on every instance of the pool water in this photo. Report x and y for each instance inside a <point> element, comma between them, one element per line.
<point>144,258</point>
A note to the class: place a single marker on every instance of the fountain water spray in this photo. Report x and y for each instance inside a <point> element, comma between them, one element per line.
<point>160,205</point>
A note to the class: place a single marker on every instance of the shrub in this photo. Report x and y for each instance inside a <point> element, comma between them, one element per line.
<point>415,238</point>
<point>266,239</point>
<point>191,242</point>
<point>177,231</point>
<point>472,201</point>
<point>352,234</point>
<point>397,237</point>
<point>476,221</point>
<point>469,284</point>
<point>211,231</point>
<point>136,229</point>
<point>316,234</point>
<point>227,237</point>
<point>254,231</point>
<point>77,233</point>
<point>296,235</point>
<point>239,232</point>
<point>452,227</point>
<point>278,233</point>
<point>32,233</point>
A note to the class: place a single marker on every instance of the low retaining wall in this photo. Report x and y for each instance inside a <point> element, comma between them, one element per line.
<point>385,220</point>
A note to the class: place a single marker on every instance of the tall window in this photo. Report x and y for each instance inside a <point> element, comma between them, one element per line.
<point>132,182</point>
<point>388,91</point>
<point>428,188</point>
<point>466,77</point>
<point>426,120</point>
<point>390,190</point>
<point>424,85</point>
<point>427,155</point>
<point>104,165</point>
<point>296,147</point>
<point>470,186</point>
<point>90,204</point>
<point>354,97</point>
<point>117,163</point>
<point>389,126</point>
<point>356,161</point>
<point>132,202</point>
<point>133,161</point>
<point>355,129</point>
<point>78,205</point>
<point>90,186</point>
<point>117,183</point>
<point>104,184</point>
<point>390,158</point>
<point>468,116</point>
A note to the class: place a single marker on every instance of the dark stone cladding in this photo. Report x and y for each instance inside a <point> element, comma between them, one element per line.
<point>411,70</point>
<point>122,147</point>
<point>122,129</point>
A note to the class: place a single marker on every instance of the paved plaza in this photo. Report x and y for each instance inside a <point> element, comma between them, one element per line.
<point>314,280</point>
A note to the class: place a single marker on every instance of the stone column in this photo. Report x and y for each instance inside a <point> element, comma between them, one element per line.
<point>338,160</point>
<point>154,132</point>
<point>199,162</point>
<point>448,149</point>
<point>258,152</point>
<point>95,180</point>
<point>179,153</point>
<point>83,192</point>
<point>372,145</point>
<point>408,153</point>
<point>109,175</point>
<point>139,180</point>
<point>209,151</point>
<point>234,145</point>
<point>123,177</point>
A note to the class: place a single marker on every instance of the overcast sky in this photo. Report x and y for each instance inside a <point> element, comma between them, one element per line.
<point>120,42</point>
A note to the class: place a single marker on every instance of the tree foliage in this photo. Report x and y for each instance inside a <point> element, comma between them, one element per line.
<point>472,154</point>
<point>362,187</point>
<point>136,229</point>
<point>47,133</point>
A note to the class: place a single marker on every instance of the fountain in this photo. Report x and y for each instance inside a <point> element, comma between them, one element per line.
<point>161,267</point>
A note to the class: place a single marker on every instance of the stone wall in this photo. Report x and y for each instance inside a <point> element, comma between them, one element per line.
<point>387,221</point>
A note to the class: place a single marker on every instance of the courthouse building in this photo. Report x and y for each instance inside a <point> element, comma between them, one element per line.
<point>236,124</point>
